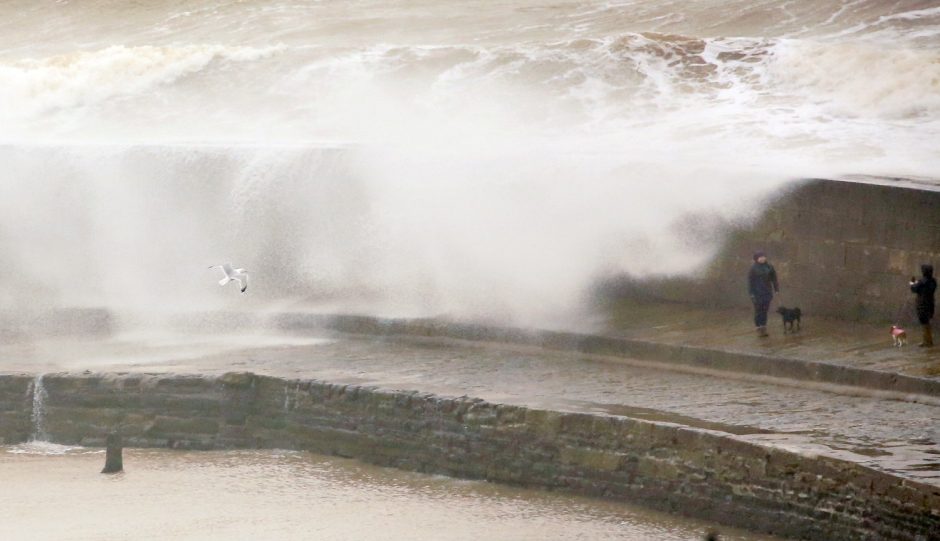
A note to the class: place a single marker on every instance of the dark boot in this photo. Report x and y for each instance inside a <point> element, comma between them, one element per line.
<point>928,337</point>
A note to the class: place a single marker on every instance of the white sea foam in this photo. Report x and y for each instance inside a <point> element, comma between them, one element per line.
<point>859,80</point>
<point>46,448</point>
<point>35,86</point>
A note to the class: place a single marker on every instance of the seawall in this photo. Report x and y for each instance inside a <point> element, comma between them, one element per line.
<point>697,472</point>
<point>843,249</point>
<point>680,357</point>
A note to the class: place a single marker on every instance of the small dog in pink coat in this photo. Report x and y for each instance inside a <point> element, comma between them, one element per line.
<point>899,335</point>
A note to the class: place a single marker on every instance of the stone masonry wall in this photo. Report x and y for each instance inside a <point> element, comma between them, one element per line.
<point>701,473</point>
<point>841,249</point>
<point>16,396</point>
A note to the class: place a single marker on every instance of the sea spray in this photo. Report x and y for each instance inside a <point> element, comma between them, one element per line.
<point>497,159</point>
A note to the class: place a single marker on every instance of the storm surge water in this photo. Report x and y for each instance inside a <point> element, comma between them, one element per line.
<point>486,160</point>
<point>209,495</point>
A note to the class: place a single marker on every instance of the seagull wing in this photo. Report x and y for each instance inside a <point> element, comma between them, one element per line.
<point>227,269</point>
<point>243,281</point>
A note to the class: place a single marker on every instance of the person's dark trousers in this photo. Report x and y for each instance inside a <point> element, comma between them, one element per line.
<point>928,332</point>
<point>761,307</point>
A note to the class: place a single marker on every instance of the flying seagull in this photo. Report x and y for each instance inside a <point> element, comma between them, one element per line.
<point>239,275</point>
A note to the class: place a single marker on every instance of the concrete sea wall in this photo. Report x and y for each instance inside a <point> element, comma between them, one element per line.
<point>701,473</point>
<point>841,249</point>
<point>676,356</point>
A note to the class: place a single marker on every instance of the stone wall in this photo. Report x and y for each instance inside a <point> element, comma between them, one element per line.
<point>841,249</point>
<point>16,396</point>
<point>706,474</point>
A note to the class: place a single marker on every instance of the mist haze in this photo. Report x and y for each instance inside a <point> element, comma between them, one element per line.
<point>484,160</point>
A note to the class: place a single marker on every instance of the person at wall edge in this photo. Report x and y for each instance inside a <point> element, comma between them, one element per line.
<point>761,285</point>
<point>925,288</point>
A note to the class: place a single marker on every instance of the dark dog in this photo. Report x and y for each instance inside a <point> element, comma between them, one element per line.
<point>790,316</point>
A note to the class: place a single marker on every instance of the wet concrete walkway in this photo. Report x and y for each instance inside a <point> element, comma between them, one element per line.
<point>890,435</point>
<point>850,344</point>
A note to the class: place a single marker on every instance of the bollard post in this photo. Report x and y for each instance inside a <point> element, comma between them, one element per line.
<point>114,459</point>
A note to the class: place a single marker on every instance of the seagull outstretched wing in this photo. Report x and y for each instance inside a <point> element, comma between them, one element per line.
<point>226,268</point>
<point>238,275</point>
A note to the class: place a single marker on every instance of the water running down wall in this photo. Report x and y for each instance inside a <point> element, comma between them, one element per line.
<point>38,412</point>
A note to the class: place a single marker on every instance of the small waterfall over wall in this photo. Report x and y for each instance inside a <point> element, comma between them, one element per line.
<point>38,415</point>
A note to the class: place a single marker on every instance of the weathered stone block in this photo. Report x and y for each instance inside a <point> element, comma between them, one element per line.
<point>543,422</point>
<point>654,468</point>
<point>162,426</point>
<point>238,380</point>
<point>866,259</point>
<point>591,458</point>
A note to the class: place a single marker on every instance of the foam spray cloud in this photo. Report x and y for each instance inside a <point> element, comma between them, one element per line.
<point>411,158</point>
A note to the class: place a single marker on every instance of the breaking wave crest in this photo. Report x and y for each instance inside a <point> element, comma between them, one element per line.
<point>585,83</point>
<point>35,86</point>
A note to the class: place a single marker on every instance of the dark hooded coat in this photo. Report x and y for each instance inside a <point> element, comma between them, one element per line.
<point>762,281</point>
<point>925,288</point>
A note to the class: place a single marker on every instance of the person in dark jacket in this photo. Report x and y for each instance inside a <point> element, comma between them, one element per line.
<point>925,288</point>
<point>761,285</point>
